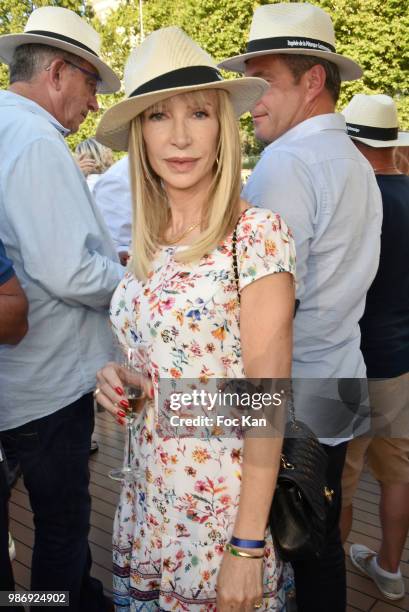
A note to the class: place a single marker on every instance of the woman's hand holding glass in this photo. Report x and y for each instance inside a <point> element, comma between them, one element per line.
<point>123,390</point>
<point>114,382</point>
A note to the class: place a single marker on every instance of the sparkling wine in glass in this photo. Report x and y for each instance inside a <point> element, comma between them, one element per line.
<point>135,400</point>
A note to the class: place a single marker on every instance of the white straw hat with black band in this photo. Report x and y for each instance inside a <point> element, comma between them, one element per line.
<point>293,28</point>
<point>59,27</point>
<point>373,120</point>
<point>167,63</point>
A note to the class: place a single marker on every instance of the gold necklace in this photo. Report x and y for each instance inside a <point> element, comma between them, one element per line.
<point>184,233</point>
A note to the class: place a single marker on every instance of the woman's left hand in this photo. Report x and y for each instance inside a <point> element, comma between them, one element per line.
<point>239,584</point>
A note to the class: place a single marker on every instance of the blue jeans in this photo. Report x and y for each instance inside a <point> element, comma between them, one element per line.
<point>53,453</point>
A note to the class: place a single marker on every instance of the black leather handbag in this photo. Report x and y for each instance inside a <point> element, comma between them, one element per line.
<point>300,504</point>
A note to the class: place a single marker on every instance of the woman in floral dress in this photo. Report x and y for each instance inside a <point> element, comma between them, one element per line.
<point>179,301</point>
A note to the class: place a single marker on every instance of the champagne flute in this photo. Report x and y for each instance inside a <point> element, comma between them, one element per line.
<point>136,399</point>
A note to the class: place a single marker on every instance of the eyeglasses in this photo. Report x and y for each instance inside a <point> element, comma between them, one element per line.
<point>88,73</point>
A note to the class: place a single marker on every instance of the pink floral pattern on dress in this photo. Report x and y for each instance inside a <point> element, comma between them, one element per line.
<point>172,525</point>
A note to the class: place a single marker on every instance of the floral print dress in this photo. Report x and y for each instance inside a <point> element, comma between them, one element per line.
<point>172,524</point>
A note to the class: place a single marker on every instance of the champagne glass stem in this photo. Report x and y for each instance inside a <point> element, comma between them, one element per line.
<point>129,430</point>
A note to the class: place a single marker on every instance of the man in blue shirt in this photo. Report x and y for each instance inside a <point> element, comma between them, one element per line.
<point>112,195</point>
<point>68,267</point>
<point>326,192</point>
<point>372,123</point>
<point>13,327</point>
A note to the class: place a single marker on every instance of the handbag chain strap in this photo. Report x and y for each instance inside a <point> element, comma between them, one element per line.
<point>290,405</point>
<point>235,266</point>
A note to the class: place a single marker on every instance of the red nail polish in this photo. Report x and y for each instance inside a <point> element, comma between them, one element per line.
<point>119,390</point>
<point>121,421</point>
<point>124,403</point>
<point>152,393</point>
<point>121,413</point>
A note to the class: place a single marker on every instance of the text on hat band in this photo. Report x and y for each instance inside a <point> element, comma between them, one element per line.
<point>372,133</point>
<point>288,42</point>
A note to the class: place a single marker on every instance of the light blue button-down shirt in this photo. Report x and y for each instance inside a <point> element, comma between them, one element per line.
<point>65,260</point>
<point>326,191</point>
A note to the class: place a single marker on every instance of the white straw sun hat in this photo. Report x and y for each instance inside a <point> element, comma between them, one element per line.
<point>293,28</point>
<point>167,63</point>
<point>64,29</point>
<point>373,120</point>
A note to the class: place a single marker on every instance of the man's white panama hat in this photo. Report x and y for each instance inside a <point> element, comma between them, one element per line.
<point>167,63</point>
<point>64,29</point>
<point>293,28</point>
<point>373,120</point>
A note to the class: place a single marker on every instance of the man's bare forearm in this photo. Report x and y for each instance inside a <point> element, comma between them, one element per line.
<point>13,318</point>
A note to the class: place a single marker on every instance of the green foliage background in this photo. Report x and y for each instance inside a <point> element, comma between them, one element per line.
<point>373,32</point>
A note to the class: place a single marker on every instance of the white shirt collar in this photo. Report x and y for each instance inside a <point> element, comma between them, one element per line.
<point>319,123</point>
<point>13,99</point>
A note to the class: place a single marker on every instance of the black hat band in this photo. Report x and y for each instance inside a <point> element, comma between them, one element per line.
<point>289,42</point>
<point>66,39</point>
<point>372,133</point>
<point>181,77</point>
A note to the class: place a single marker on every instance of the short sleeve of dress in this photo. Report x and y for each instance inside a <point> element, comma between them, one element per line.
<point>264,246</point>
<point>124,312</point>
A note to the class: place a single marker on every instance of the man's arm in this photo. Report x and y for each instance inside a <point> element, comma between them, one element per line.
<point>282,183</point>
<point>60,236</point>
<point>13,312</point>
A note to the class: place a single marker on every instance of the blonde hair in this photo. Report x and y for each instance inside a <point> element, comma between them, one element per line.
<point>150,210</point>
<point>101,155</point>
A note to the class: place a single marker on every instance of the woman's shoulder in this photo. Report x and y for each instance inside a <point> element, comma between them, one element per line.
<point>261,220</point>
<point>264,245</point>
